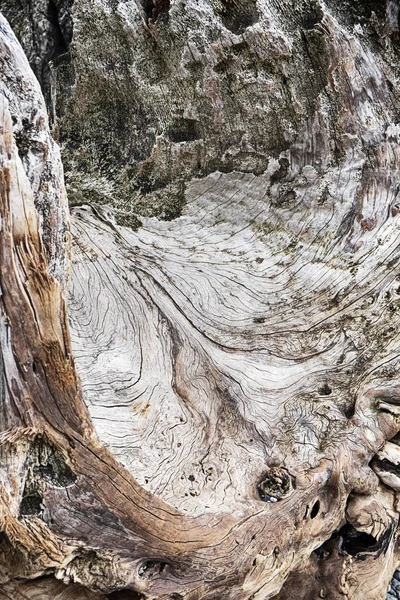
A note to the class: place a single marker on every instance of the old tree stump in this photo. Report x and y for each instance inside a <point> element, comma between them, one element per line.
<point>200,357</point>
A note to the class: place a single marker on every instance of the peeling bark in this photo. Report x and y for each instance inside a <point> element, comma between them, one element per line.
<point>216,415</point>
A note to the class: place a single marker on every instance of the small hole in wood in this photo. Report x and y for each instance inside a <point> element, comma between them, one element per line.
<point>150,569</point>
<point>237,15</point>
<point>325,390</point>
<point>31,505</point>
<point>315,509</point>
<point>349,412</point>
<point>354,542</point>
<point>259,320</point>
<point>184,130</point>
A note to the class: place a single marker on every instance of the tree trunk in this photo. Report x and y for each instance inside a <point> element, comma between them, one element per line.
<point>200,363</point>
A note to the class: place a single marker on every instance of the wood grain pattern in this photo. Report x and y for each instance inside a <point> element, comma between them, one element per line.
<point>253,338</point>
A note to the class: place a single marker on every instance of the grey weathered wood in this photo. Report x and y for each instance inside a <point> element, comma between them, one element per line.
<point>254,337</point>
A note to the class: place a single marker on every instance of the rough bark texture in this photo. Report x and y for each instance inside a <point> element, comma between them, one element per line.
<point>38,153</point>
<point>216,417</point>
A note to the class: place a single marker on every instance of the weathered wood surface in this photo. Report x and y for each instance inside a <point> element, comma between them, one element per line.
<point>254,337</point>
<point>48,588</point>
<point>39,154</point>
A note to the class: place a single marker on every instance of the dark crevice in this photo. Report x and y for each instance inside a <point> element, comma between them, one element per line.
<point>396,439</point>
<point>282,171</point>
<point>60,44</point>
<point>387,466</point>
<point>350,411</point>
<point>124,595</point>
<point>60,34</point>
<point>50,464</point>
<point>45,467</point>
<point>24,137</point>
<point>325,390</point>
<point>349,541</point>
<point>360,11</point>
<point>238,15</point>
<point>312,17</point>
<point>151,568</point>
<point>315,509</point>
<point>156,9</point>
<point>354,542</point>
<point>31,505</point>
<point>184,130</point>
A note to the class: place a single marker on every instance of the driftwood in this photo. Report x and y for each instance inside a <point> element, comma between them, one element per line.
<point>207,405</point>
